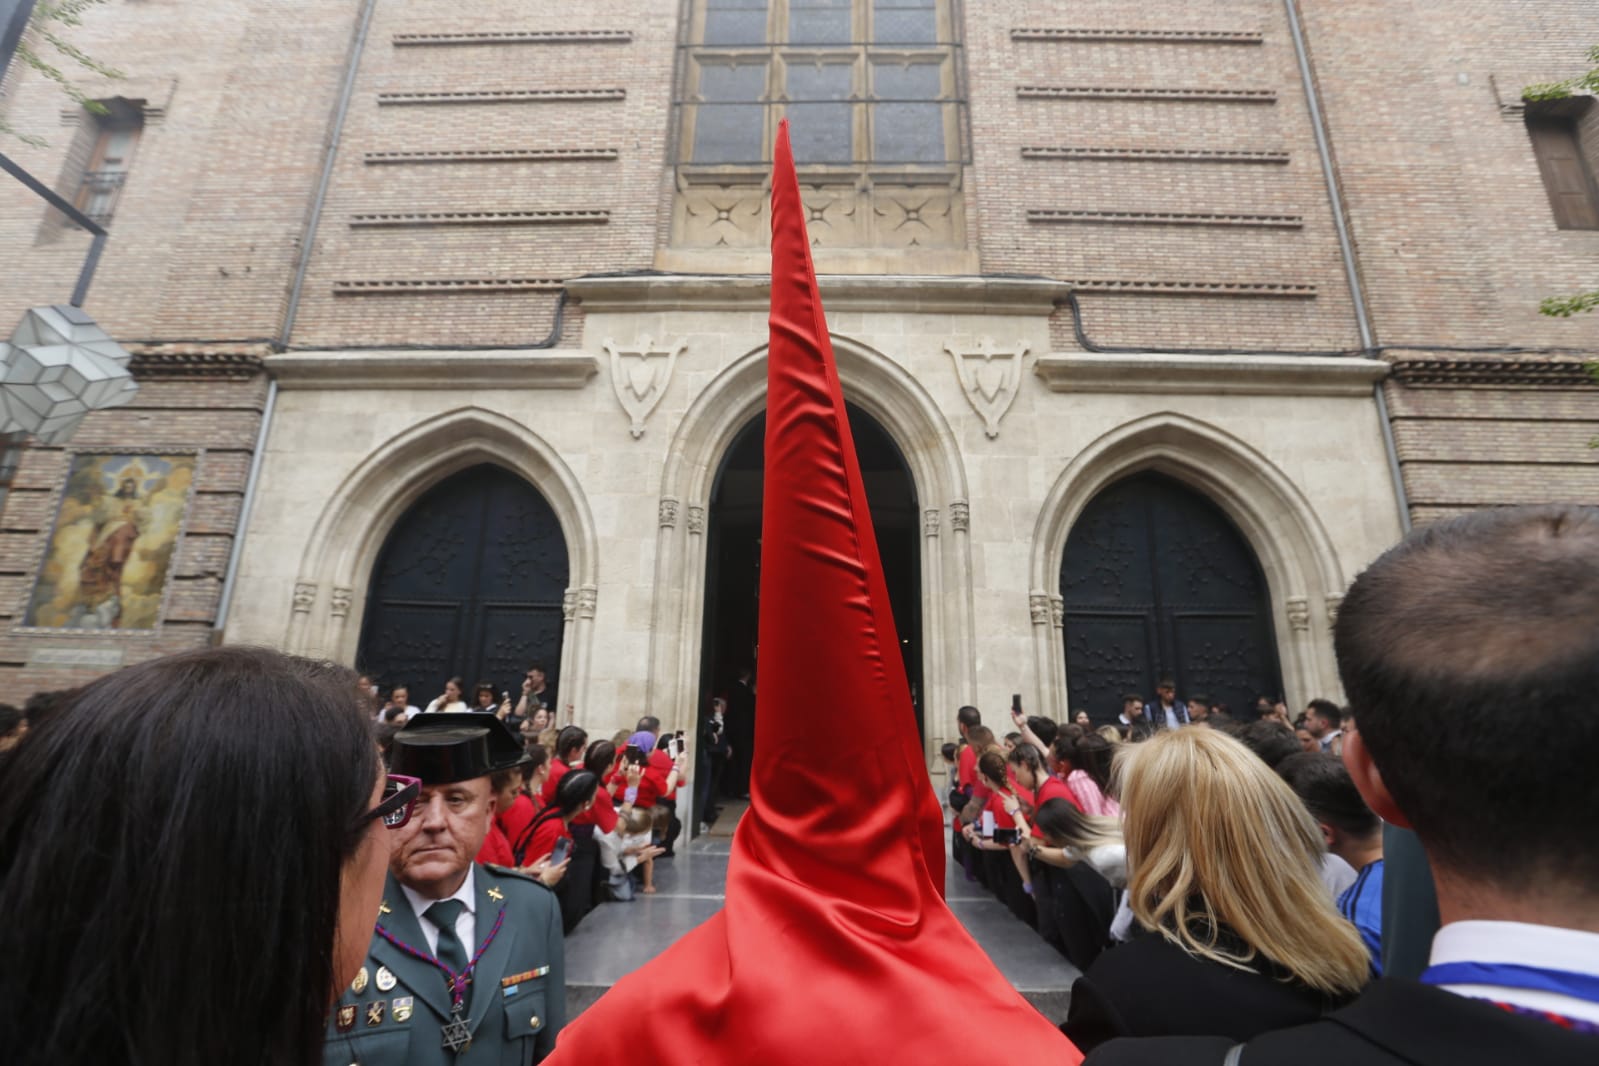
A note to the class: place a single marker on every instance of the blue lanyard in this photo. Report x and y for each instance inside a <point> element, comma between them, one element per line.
<point>1584,986</point>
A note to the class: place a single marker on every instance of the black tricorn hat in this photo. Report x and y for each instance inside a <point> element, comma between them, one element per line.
<point>444,747</point>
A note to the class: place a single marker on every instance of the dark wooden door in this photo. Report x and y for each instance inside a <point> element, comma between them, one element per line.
<point>1157,580</point>
<point>469,582</point>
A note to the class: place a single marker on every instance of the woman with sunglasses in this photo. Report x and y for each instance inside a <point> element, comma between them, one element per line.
<point>192,854</point>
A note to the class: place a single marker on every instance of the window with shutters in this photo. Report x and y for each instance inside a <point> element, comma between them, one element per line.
<point>116,134</point>
<point>1565,146</point>
<point>872,92</point>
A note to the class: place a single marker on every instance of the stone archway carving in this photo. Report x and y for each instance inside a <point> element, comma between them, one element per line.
<point>887,392</point>
<point>349,533</point>
<point>1295,552</point>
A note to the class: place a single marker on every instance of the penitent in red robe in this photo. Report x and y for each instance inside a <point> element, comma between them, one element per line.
<point>835,944</point>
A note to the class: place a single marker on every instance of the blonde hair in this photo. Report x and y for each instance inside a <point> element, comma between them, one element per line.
<point>1215,840</point>
<point>1110,733</point>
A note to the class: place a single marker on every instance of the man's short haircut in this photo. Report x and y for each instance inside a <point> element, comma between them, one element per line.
<point>1328,792</point>
<point>1165,681</point>
<point>1326,710</point>
<point>1448,646</point>
<point>648,724</point>
<point>980,737</point>
<point>1132,697</point>
<point>1269,739</point>
<point>1202,700</point>
<point>1043,728</point>
<point>969,716</point>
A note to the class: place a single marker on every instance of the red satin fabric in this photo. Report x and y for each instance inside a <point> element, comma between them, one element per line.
<point>835,943</point>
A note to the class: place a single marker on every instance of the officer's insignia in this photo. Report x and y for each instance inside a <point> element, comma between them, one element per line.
<point>374,1013</point>
<point>359,984</point>
<point>401,1009</point>
<point>346,1020</point>
<point>385,979</point>
<point>383,908</point>
<point>496,895</point>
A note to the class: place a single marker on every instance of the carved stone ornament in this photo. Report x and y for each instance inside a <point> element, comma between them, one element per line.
<point>990,377</point>
<point>1333,603</point>
<point>1057,611</point>
<point>640,374</point>
<point>569,604</point>
<point>341,601</point>
<point>668,511</point>
<point>960,516</point>
<point>304,596</point>
<point>1038,608</point>
<point>696,519</point>
<point>587,600</point>
<point>1298,613</point>
<point>930,522</point>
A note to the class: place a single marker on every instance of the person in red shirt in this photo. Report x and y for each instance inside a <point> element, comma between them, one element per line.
<point>1006,808</point>
<point>573,797</point>
<point>569,745</point>
<point>601,762</point>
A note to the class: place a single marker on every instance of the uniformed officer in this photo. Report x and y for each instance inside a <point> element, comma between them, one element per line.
<point>466,966</point>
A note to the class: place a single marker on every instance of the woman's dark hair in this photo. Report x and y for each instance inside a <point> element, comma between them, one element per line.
<point>569,741</point>
<point>228,788</point>
<point>485,686</point>
<point>459,684</point>
<point>1043,728</point>
<point>1269,739</point>
<point>538,755</point>
<point>1028,756</point>
<point>1060,820</point>
<point>992,765</point>
<point>11,719</point>
<point>1088,752</point>
<point>634,755</point>
<point>575,789</point>
<point>601,755</point>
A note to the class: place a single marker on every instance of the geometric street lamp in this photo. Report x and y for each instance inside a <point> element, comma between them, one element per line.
<point>57,367</point>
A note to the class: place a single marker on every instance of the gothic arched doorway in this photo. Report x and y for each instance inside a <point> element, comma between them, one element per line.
<point>469,582</point>
<point>1157,580</point>
<point>733,552</point>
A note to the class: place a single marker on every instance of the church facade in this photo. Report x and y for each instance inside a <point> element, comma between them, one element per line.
<point>1156,327</point>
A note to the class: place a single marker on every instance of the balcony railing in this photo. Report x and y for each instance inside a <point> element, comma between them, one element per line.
<point>98,192</point>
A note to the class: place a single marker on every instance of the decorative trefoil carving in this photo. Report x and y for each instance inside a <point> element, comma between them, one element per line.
<point>668,511</point>
<point>640,374</point>
<point>587,600</point>
<point>930,522</point>
<point>696,519</point>
<point>960,516</point>
<point>1038,607</point>
<point>1298,613</point>
<point>990,376</point>
<point>304,596</point>
<point>341,601</point>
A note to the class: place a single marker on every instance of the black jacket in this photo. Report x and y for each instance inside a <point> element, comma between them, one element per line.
<point>1394,1022</point>
<point>1151,987</point>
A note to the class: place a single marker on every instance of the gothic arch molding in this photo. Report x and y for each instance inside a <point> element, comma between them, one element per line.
<point>886,391</point>
<point>1301,566</point>
<point>350,531</point>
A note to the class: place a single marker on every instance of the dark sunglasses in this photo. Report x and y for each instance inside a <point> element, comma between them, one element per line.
<point>399,800</point>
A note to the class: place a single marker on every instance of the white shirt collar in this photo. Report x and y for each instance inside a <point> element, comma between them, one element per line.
<point>467,894</point>
<point>1524,944</point>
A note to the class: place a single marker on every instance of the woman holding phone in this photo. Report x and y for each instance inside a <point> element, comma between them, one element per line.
<point>551,834</point>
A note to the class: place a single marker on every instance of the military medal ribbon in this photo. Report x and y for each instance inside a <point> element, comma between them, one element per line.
<point>457,982</point>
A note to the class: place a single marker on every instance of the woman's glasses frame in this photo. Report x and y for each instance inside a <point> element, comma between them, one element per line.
<point>399,801</point>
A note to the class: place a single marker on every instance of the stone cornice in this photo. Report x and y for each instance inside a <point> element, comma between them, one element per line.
<point>1493,373</point>
<point>894,294</point>
<point>510,368</point>
<point>166,364</point>
<point>1224,375</point>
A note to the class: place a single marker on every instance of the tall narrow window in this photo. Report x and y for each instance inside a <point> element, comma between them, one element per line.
<point>116,135</point>
<point>872,91</point>
<point>1566,164</point>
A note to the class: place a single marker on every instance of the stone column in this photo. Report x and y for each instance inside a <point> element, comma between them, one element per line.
<point>661,687</point>
<point>936,705</point>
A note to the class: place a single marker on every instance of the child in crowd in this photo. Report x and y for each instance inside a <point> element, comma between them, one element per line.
<point>951,768</point>
<point>627,849</point>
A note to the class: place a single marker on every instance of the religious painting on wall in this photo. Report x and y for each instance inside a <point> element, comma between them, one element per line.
<point>111,549</point>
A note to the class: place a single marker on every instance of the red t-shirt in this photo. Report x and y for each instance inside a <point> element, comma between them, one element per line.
<point>602,815</point>
<point>966,767</point>
<point>512,822</point>
<point>558,770</point>
<point>1052,788</point>
<point>549,831</point>
<point>496,849</point>
<point>660,768</point>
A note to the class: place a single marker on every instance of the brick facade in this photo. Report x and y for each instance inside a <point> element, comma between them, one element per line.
<point>1160,158</point>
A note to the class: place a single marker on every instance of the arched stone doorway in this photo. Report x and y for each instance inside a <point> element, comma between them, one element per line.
<point>469,582</point>
<point>733,532</point>
<point>1157,581</point>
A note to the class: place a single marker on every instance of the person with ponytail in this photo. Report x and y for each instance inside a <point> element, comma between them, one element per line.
<point>1083,760</point>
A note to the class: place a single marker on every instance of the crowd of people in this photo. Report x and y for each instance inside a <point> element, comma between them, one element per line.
<point>192,849</point>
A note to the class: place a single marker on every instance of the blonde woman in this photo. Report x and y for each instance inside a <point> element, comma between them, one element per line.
<point>1238,935</point>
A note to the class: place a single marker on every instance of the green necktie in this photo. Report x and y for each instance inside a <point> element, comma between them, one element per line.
<point>451,951</point>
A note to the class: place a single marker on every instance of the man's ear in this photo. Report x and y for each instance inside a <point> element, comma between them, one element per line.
<point>1328,837</point>
<point>1368,780</point>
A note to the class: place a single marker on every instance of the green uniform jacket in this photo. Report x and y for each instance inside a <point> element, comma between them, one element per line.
<point>518,997</point>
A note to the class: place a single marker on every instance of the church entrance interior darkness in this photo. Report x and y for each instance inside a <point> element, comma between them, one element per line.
<point>469,582</point>
<point>733,529</point>
<point>1157,580</point>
